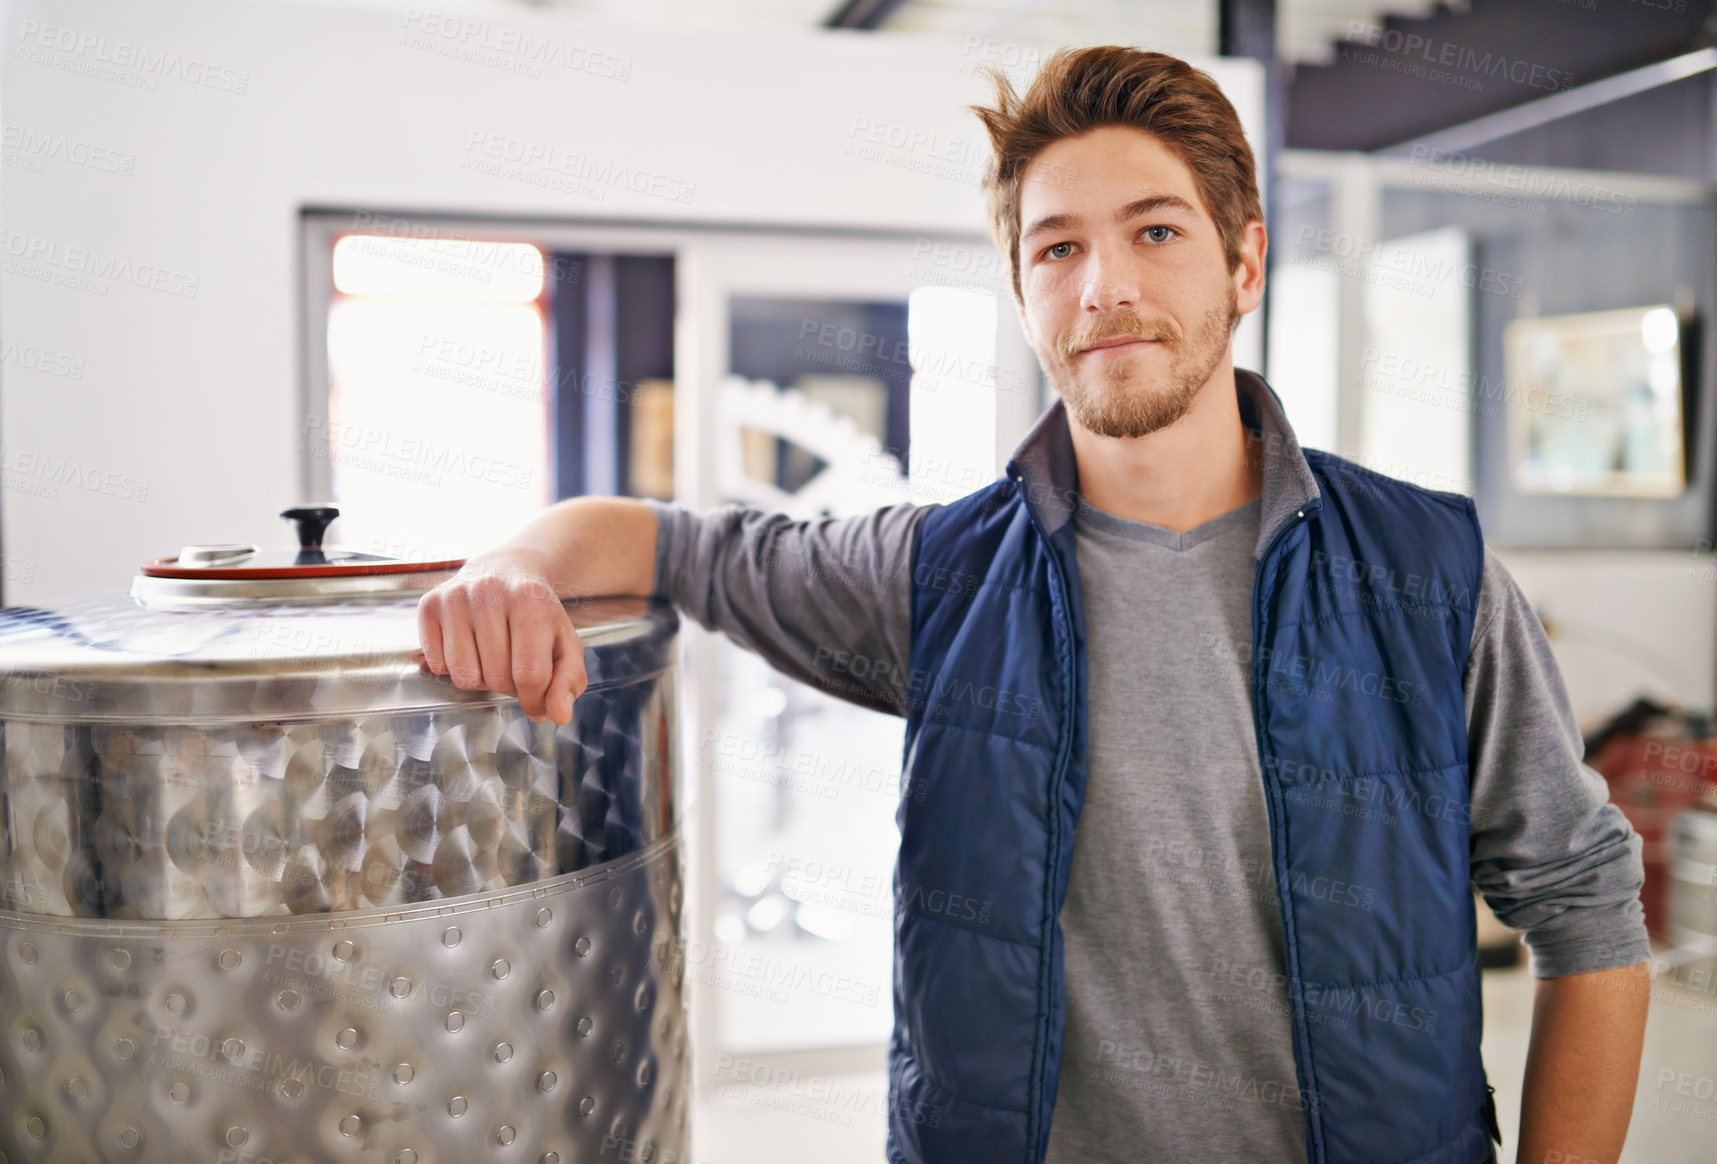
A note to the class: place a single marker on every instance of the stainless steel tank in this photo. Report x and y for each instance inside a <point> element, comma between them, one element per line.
<point>1693,873</point>
<point>271,891</point>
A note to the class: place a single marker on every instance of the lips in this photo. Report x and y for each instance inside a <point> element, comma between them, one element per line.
<point>1121,341</point>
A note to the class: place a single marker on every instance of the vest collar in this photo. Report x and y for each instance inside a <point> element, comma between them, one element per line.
<point>1045,464</point>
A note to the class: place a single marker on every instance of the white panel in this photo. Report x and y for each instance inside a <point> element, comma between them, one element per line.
<point>953,337</point>
<point>1656,643</point>
<point>1416,420</point>
<point>1304,308</point>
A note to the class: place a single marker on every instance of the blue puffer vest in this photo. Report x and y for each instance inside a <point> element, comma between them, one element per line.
<point>1362,617</point>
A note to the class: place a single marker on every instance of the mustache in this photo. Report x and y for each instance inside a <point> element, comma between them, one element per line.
<point>1119,327</point>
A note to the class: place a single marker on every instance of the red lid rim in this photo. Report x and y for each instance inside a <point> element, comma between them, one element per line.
<point>169,568</point>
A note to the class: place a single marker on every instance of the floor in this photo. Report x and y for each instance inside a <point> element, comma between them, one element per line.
<point>759,1119</point>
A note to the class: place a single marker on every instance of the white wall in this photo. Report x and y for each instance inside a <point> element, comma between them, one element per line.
<point>1624,624</point>
<point>184,421</point>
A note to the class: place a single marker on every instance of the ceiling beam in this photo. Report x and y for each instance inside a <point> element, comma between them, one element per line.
<point>1246,28</point>
<point>1531,115</point>
<point>1396,80</point>
<point>866,14</point>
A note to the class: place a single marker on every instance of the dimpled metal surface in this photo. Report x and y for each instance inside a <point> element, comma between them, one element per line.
<point>159,816</point>
<point>270,891</point>
<point>494,1027</point>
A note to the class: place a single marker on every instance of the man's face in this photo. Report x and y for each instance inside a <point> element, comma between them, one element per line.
<point>1128,298</point>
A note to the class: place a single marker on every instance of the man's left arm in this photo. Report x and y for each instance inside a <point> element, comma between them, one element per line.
<point>1555,859</point>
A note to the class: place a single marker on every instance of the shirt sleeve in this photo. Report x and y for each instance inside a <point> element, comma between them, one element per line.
<point>826,601</point>
<point>1551,855</point>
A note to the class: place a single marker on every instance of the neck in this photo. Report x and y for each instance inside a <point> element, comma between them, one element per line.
<point>1178,477</point>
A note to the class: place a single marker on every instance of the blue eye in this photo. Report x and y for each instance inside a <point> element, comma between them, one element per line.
<point>1151,233</point>
<point>1051,252</point>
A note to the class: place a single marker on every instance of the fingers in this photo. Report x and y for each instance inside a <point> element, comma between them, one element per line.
<point>429,632</point>
<point>494,604</point>
<point>533,642</point>
<point>507,634</point>
<point>570,678</point>
<point>459,642</point>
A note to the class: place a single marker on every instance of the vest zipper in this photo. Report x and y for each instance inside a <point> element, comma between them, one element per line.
<point>1302,1060</point>
<point>1038,1146</point>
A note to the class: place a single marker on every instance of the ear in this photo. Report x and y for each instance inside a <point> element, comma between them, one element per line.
<point>1249,274</point>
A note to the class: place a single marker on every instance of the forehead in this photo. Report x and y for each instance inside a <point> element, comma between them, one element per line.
<point>1100,170</point>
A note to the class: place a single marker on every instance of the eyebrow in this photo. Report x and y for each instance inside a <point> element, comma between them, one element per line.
<point>1133,209</point>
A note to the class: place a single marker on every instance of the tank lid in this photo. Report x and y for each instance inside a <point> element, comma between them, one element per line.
<point>225,572</point>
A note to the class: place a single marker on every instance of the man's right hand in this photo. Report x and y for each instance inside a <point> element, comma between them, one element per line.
<point>497,625</point>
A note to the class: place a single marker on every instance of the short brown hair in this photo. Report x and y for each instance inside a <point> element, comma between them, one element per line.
<point>1078,90</point>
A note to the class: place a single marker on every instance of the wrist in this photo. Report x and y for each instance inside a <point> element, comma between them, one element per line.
<point>510,562</point>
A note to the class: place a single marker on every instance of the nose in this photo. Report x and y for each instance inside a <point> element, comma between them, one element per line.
<point>1111,281</point>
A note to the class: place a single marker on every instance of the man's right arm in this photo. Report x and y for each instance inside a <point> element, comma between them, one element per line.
<point>826,601</point>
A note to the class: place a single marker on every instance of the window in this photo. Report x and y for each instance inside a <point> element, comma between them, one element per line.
<point>436,427</point>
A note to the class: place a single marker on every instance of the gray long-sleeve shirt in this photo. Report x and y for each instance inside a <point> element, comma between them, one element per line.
<point>1176,1044</point>
<point>828,602</point>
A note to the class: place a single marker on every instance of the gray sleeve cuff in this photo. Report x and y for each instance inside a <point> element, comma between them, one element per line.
<point>1551,855</point>
<point>668,520</point>
<point>1603,939</point>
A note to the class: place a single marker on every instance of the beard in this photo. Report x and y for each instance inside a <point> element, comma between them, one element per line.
<point>1120,400</point>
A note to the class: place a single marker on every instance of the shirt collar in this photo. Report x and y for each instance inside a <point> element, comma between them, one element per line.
<point>1044,462</point>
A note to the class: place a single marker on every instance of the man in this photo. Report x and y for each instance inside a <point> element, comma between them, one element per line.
<point>1224,729</point>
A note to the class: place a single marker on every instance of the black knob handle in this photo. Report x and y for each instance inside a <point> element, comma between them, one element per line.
<point>312,522</point>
